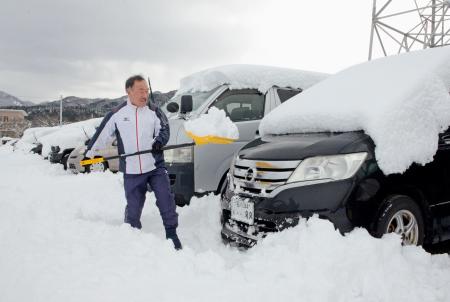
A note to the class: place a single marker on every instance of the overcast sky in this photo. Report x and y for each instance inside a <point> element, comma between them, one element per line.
<point>88,48</point>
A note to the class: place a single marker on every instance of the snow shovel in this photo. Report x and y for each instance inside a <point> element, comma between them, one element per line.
<point>198,140</point>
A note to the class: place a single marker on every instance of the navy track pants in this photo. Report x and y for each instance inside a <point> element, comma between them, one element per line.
<point>135,190</point>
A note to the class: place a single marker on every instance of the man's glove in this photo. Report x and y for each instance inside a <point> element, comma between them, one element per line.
<point>157,146</point>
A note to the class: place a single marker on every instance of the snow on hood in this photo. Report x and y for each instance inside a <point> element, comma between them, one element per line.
<point>69,135</point>
<point>249,76</point>
<point>214,123</point>
<point>402,102</point>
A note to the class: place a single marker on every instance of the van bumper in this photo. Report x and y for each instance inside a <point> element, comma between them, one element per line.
<point>181,177</point>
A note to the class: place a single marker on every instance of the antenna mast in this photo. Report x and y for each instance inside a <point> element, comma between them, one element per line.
<point>401,26</point>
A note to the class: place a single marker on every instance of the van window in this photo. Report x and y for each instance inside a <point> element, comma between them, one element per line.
<point>242,105</point>
<point>286,94</point>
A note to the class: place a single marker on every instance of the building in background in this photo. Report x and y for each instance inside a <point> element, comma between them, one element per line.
<point>13,122</point>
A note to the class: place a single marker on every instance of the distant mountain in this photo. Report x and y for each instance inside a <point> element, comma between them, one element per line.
<point>73,101</point>
<point>7,100</point>
<point>77,103</point>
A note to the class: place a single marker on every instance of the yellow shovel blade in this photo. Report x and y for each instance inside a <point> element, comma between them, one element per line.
<point>92,161</point>
<point>209,139</point>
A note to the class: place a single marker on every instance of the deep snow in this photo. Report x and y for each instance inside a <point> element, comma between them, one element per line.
<point>62,239</point>
<point>402,102</point>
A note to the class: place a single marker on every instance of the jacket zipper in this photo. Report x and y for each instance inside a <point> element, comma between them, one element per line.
<point>137,140</point>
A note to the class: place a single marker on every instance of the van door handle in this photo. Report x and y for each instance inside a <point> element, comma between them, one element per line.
<point>257,132</point>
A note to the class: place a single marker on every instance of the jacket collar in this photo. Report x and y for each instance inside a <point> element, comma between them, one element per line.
<point>133,106</point>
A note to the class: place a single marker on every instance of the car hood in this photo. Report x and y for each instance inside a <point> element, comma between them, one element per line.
<point>300,146</point>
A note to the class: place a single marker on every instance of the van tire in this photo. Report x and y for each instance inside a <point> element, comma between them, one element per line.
<point>402,215</point>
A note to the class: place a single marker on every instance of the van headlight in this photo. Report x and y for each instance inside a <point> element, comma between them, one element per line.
<point>179,155</point>
<point>328,168</point>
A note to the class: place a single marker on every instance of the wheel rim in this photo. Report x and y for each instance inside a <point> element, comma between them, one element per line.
<point>405,224</point>
<point>98,167</point>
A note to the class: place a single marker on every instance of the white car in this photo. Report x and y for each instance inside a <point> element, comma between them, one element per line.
<point>77,155</point>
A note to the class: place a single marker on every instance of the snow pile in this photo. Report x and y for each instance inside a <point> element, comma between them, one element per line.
<point>63,239</point>
<point>31,137</point>
<point>401,102</point>
<point>70,135</point>
<point>213,123</point>
<point>249,76</point>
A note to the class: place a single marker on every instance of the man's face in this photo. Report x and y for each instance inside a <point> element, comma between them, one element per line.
<point>138,94</point>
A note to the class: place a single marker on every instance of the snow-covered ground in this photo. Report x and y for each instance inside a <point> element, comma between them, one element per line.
<point>62,239</point>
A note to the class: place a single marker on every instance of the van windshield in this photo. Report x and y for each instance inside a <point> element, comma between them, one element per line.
<point>198,98</point>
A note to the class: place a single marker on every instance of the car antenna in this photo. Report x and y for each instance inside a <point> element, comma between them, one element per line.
<point>152,99</point>
<point>85,132</point>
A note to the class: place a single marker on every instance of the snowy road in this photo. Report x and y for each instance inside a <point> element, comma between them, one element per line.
<point>62,239</point>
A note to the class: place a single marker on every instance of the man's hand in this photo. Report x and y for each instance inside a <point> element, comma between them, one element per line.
<point>157,146</point>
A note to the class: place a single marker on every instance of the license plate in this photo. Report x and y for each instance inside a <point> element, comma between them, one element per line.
<point>242,210</point>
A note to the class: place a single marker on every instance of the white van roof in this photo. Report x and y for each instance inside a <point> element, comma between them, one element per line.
<point>242,76</point>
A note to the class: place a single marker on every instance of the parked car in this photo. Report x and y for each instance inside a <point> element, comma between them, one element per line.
<point>59,144</point>
<point>237,90</point>
<point>5,139</point>
<point>272,196</point>
<point>31,140</point>
<point>338,175</point>
<point>77,155</point>
<point>58,156</point>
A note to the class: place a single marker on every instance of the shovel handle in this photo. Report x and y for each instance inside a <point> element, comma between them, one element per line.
<point>102,159</point>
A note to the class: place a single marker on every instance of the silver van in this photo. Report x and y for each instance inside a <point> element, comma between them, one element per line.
<point>201,169</point>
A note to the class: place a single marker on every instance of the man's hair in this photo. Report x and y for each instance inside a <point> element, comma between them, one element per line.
<point>130,81</point>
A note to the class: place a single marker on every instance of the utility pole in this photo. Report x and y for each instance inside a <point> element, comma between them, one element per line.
<point>419,24</point>
<point>60,110</point>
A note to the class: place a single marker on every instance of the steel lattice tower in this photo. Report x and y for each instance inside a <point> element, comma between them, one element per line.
<point>401,26</point>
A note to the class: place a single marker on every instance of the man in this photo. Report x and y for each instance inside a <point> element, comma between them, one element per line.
<point>140,127</point>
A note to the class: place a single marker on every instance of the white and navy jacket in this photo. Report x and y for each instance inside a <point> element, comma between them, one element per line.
<point>136,128</point>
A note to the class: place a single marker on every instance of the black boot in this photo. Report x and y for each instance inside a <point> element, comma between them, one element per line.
<point>172,235</point>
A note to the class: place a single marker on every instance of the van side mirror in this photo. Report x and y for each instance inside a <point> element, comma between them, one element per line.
<point>186,104</point>
<point>172,107</point>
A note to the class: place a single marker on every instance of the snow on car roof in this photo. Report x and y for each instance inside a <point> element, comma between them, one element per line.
<point>67,136</point>
<point>402,102</point>
<point>241,76</point>
<point>70,135</point>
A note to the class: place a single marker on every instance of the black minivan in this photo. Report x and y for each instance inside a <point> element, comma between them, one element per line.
<point>276,180</point>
